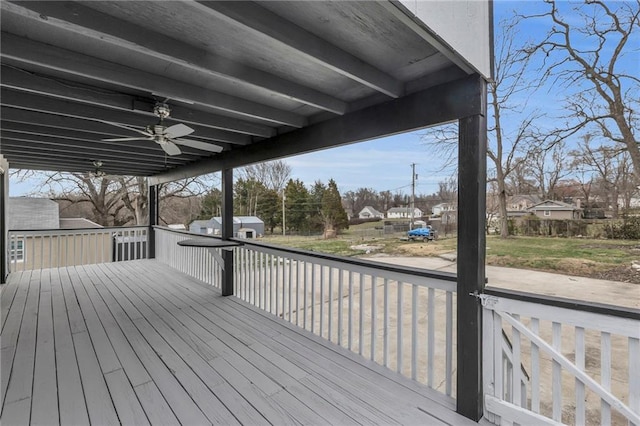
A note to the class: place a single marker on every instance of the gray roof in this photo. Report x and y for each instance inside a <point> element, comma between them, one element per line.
<point>401,209</point>
<point>26,213</point>
<point>240,219</point>
<point>77,223</point>
<point>554,205</point>
<point>200,223</point>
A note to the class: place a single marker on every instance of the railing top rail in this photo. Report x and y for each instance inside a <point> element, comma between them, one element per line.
<point>561,302</point>
<point>103,229</point>
<point>445,276</point>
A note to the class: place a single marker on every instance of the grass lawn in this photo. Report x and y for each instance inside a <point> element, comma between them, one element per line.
<point>572,256</point>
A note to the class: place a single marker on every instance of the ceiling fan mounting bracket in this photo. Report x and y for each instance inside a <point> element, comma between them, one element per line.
<point>161,110</point>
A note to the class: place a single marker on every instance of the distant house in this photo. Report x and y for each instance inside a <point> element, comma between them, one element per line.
<point>403,213</point>
<point>549,209</point>
<point>369,212</point>
<point>522,202</point>
<point>439,209</point>
<point>242,226</point>
<point>29,249</point>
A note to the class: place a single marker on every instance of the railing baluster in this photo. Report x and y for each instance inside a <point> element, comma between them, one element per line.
<point>448,342</point>
<point>605,376</point>
<point>385,335</point>
<point>580,418</point>
<point>431,332</point>
<point>330,306</point>
<point>290,281</point>
<point>313,298</point>
<point>517,368</point>
<point>321,300</point>
<point>634,374</point>
<point>498,357</point>
<point>298,290</point>
<point>535,369</point>
<point>304,296</point>
<point>374,315</point>
<point>414,332</point>
<point>350,329</point>
<point>399,316</point>
<point>340,304</point>
<point>361,317</point>
<point>556,384</point>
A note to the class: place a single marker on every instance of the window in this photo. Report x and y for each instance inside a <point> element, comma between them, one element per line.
<point>547,212</point>
<point>16,251</point>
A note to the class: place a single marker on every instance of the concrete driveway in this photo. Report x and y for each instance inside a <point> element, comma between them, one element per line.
<point>544,283</point>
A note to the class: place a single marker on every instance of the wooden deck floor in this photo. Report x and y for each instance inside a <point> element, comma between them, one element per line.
<point>140,343</point>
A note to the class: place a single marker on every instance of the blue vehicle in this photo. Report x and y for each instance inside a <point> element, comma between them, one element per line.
<point>425,234</point>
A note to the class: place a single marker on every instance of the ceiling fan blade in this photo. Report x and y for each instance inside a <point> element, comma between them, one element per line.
<point>177,131</point>
<point>198,145</point>
<point>124,126</point>
<point>170,148</point>
<point>127,139</point>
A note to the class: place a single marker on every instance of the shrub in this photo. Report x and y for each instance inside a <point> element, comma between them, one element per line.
<point>628,229</point>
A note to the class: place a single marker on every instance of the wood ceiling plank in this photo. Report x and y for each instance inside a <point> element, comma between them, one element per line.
<point>86,22</point>
<point>75,64</point>
<point>265,23</point>
<point>32,102</point>
<point>23,80</point>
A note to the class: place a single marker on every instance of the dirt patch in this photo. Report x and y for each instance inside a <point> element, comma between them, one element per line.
<point>625,274</point>
<point>421,249</point>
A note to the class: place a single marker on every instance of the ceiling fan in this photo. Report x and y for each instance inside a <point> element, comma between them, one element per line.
<point>167,137</point>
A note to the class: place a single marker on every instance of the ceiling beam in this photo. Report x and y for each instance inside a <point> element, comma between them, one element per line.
<point>436,105</point>
<point>72,63</point>
<point>76,168</point>
<point>32,102</point>
<point>86,161</point>
<point>258,20</point>
<point>23,80</point>
<point>89,23</point>
<point>44,153</point>
<point>146,150</point>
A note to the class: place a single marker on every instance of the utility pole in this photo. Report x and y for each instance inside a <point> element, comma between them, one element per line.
<point>284,223</point>
<point>413,193</point>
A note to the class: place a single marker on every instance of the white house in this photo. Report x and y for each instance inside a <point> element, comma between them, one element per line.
<point>403,213</point>
<point>438,209</point>
<point>369,212</point>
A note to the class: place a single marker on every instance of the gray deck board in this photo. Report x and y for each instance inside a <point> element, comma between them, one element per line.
<point>140,343</point>
<point>44,409</point>
<point>71,403</point>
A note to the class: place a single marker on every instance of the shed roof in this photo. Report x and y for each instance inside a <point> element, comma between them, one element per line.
<point>77,223</point>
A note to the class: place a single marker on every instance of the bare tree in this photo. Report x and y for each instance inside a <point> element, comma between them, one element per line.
<point>509,149</point>
<point>587,44</point>
<point>609,166</point>
<point>548,167</point>
<point>272,174</point>
<point>112,200</point>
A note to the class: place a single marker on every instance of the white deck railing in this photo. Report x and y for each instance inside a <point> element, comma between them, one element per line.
<point>52,248</point>
<point>353,303</point>
<point>583,361</point>
<point>545,361</point>
<point>401,318</point>
<point>197,262</point>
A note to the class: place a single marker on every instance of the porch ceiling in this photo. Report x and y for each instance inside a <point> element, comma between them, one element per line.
<point>260,80</point>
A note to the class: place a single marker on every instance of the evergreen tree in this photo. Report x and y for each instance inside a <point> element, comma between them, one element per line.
<point>316,199</point>
<point>334,217</point>
<point>296,206</point>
